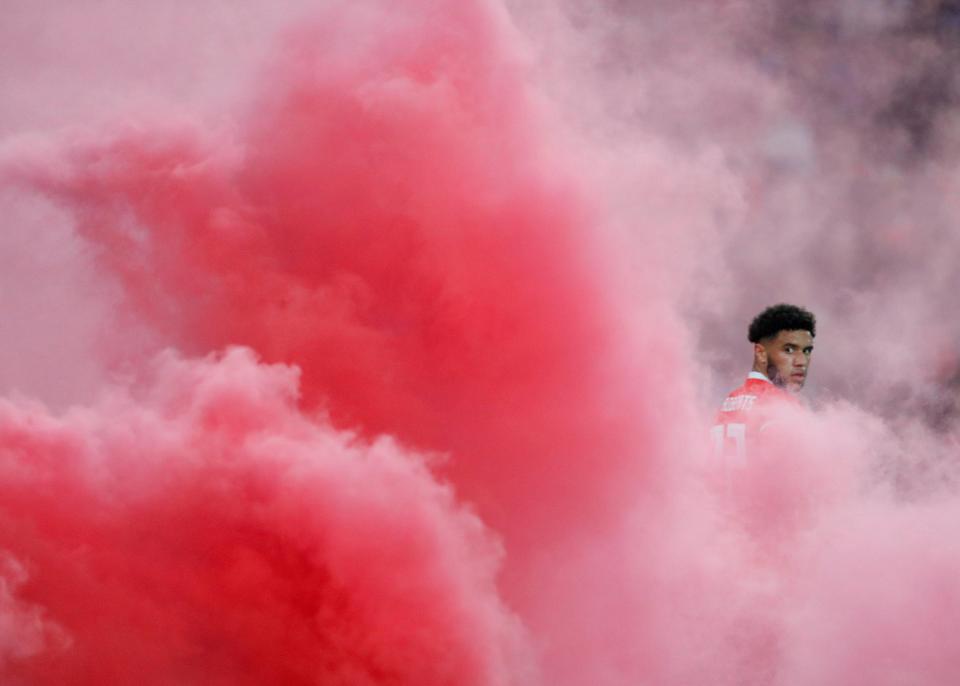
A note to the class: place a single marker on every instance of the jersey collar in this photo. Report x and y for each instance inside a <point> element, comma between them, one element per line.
<point>758,376</point>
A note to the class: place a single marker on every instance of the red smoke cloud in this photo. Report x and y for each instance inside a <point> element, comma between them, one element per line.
<point>486,469</point>
<point>202,530</point>
<point>390,219</point>
<point>392,222</point>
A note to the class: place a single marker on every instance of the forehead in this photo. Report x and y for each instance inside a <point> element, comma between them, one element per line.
<point>799,338</point>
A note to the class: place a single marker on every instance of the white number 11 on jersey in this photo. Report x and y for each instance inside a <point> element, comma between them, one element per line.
<point>723,435</point>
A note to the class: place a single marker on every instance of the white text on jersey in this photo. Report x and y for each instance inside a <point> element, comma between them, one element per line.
<point>737,403</point>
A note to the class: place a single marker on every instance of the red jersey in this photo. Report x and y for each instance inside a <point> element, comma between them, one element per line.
<point>742,416</point>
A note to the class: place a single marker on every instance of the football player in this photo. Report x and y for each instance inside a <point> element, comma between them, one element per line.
<point>782,338</point>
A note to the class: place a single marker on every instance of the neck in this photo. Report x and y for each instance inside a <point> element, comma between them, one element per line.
<point>772,378</point>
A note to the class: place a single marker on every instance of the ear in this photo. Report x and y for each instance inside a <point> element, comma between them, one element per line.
<point>759,355</point>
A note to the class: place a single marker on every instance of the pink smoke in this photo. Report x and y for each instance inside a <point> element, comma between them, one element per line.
<point>492,259</point>
<point>201,529</point>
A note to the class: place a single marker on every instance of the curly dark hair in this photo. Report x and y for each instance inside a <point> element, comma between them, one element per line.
<point>779,318</point>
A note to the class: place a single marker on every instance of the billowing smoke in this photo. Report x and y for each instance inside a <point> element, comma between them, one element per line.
<point>200,529</point>
<point>376,343</point>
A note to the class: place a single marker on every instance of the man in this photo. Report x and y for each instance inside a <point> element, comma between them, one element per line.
<point>782,337</point>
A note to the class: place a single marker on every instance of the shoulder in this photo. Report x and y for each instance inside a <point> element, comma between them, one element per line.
<point>737,402</point>
<point>775,394</point>
<point>746,394</point>
<point>748,399</point>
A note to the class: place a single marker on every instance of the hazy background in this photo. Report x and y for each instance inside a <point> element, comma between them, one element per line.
<point>511,251</point>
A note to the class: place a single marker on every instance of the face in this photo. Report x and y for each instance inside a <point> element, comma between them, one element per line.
<point>786,357</point>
